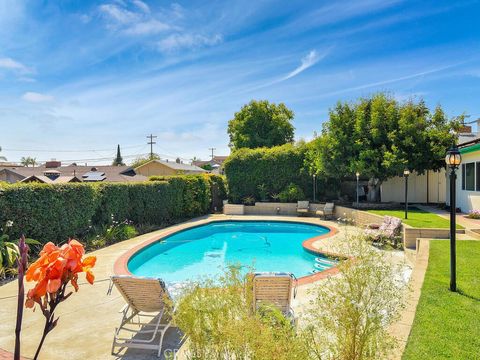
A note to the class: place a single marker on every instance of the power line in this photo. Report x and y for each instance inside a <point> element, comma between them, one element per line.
<point>212,149</point>
<point>151,142</point>
<point>70,151</point>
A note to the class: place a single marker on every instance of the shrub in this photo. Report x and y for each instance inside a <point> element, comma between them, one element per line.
<point>272,168</point>
<point>48,212</point>
<point>55,212</point>
<point>110,234</point>
<point>217,317</point>
<point>474,214</point>
<point>291,193</point>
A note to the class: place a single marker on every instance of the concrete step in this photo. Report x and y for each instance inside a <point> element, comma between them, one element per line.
<point>472,233</point>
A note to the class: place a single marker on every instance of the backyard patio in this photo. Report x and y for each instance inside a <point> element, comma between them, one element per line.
<point>91,315</point>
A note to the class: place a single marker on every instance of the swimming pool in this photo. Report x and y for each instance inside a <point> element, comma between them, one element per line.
<point>205,250</point>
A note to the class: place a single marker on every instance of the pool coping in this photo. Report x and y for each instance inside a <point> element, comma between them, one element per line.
<point>121,264</point>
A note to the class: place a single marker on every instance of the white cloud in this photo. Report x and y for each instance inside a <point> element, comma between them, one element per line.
<point>118,14</point>
<point>133,21</point>
<point>142,6</point>
<point>177,10</point>
<point>308,61</point>
<point>178,41</point>
<point>148,27</point>
<point>37,97</point>
<point>10,64</point>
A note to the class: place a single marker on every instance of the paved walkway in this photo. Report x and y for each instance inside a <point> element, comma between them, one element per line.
<point>401,329</point>
<point>88,318</point>
<point>460,217</point>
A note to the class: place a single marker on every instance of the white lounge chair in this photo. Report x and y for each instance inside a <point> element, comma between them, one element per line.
<point>303,207</point>
<point>326,211</point>
<point>274,289</point>
<point>146,299</point>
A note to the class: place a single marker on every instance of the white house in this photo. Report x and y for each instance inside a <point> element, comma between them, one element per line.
<point>468,177</point>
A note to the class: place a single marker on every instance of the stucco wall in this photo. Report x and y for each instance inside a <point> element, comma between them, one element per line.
<point>393,190</point>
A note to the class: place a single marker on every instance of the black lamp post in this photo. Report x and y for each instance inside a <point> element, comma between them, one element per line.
<point>406,172</point>
<point>453,160</point>
<point>358,178</point>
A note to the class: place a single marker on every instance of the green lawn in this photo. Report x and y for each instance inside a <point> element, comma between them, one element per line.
<point>418,218</point>
<point>447,325</point>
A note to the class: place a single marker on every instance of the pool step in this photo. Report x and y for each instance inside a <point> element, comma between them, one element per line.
<point>321,267</point>
<point>324,261</point>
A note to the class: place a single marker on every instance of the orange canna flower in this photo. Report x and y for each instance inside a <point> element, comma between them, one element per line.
<point>57,266</point>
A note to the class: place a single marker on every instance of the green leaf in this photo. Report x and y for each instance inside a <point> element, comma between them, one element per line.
<point>32,242</point>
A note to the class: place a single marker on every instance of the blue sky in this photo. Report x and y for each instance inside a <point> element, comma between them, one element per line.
<point>79,77</point>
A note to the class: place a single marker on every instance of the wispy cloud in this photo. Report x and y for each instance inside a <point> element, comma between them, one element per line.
<point>118,15</point>
<point>136,20</point>
<point>178,41</point>
<point>397,79</point>
<point>148,27</point>
<point>36,97</point>
<point>308,61</point>
<point>142,6</point>
<point>13,65</point>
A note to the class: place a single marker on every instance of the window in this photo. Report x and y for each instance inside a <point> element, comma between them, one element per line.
<point>470,176</point>
<point>477,176</point>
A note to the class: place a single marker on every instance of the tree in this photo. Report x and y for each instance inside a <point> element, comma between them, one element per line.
<point>261,124</point>
<point>143,160</point>
<point>379,138</point>
<point>118,161</point>
<point>27,161</point>
<point>194,159</point>
<point>2,158</point>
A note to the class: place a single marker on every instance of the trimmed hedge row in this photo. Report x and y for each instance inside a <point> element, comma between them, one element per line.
<point>273,168</point>
<point>55,212</point>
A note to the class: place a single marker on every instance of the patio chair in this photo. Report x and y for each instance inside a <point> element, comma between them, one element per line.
<point>303,208</point>
<point>147,312</point>
<point>389,229</point>
<point>326,211</point>
<point>274,288</point>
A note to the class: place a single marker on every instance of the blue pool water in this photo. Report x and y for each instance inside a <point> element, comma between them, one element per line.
<point>206,250</point>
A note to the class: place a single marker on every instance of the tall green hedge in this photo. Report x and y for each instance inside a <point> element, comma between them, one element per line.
<point>275,168</point>
<point>56,212</point>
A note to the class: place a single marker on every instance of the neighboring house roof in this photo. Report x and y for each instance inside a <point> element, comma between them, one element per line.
<point>469,146</point>
<point>175,166</point>
<point>111,173</point>
<point>214,162</point>
<point>8,164</point>
<point>47,180</point>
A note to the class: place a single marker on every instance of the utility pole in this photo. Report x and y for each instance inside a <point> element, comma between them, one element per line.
<point>151,142</point>
<point>212,149</point>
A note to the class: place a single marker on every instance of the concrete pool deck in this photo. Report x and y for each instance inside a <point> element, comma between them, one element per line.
<point>89,317</point>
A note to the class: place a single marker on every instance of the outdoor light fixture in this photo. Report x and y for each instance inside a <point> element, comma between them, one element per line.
<point>453,157</point>
<point>314,186</point>
<point>406,172</point>
<point>358,177</point>
<point>453,160</point>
